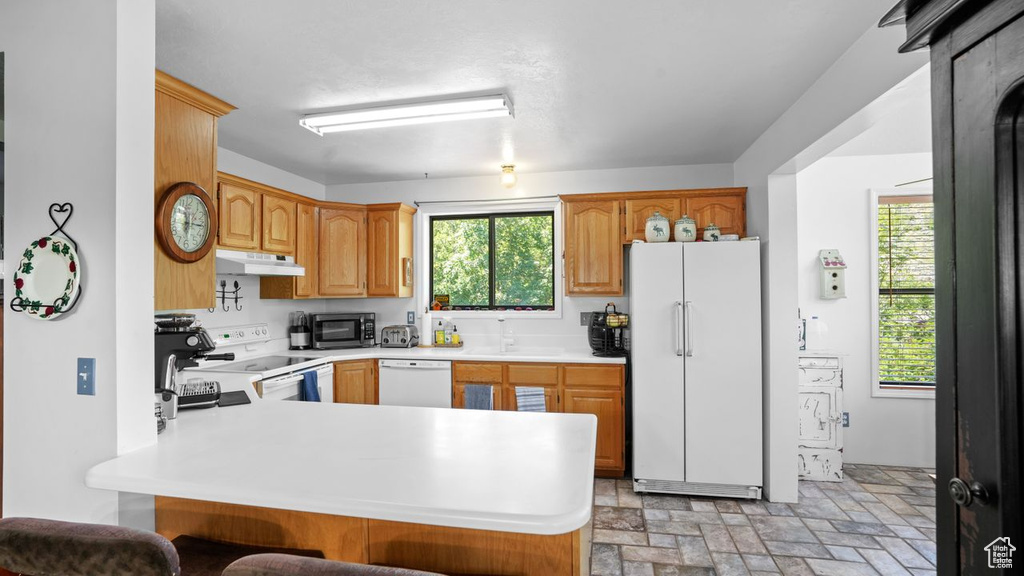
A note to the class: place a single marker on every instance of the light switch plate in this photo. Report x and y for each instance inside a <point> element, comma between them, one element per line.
<point>85,376</point>
<point>410,317</point>
<point>846,419</point>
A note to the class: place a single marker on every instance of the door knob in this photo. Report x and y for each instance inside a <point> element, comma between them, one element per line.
<point>965,495</point>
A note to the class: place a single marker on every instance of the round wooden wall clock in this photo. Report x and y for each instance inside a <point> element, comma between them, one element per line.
<point>186,222</point>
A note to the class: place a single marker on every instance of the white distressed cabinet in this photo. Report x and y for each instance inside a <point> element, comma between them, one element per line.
<point>820,391</point>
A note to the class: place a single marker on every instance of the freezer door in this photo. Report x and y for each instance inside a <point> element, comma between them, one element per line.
<point>722,342</point>
<point>656,291</point>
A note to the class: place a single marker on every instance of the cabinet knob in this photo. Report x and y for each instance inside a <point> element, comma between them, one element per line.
<point>964,495</point>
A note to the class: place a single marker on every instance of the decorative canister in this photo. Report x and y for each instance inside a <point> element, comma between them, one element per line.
<point>657,229</point>
<point>686,229</point>
<point>711,233</point>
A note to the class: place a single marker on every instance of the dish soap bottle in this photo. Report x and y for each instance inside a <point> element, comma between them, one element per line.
<point>439,333</point>
<point>456,339</point>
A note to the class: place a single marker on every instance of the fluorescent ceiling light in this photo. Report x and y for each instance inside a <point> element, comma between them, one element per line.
<point>422,113</point>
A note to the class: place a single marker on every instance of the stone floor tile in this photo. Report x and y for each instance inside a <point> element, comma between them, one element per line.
<point>916,500</point>
<point>623,483</point>
<point>801,549</point>
<point>666,502</point>
<point>782,529</point>
<point>655,514</point>
<point>810,490</point>
<point>793,566</point>
<point>842,539</point>
<point>905,553</point>
<point>896,503</point>
<point>923,572</point>
<point>604,486</point>
<point>884,514</point>
<point>863,528</point>
<point>694,517</point>
<point>746,540</point>
<point>929,533</point>
<point>677,528</point>
<point>823,508</point>
<point>779,509</point>
<point>871,476</point>
<point>887,489</point>
<point>648,554</point>
<point>922,491</point>
<point>760,563</point>
<point>675,570</point>
<point>920,521</point>
<point>927,511</point>
<point>605,500</point>
<point>637,569</point>
<point>819,525</point>
<point>908,532</point>
<point>763,573</point>
<point>728,506</point>
<point>845,553</point>
<point>863,496</point>
<point>735,519</point>
<point>703,506</point>
<point>837,568</point>
<point>753,509</point>
<point>693,551</point>
<point>602,536</point>
<point>629,499</point>
<point>717,538</point>
<point>605,560</point>
<point>926,548</point>
<point>844,499</point>
<point>865,516</point>
<point>662,540</point>
<point>618,518</point>
<point>883,562</point>
<point>729,564</point>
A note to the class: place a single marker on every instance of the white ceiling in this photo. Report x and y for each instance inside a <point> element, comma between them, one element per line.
<point>595,84</point>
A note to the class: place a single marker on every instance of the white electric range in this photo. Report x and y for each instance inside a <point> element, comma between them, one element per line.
<point>263,372</point>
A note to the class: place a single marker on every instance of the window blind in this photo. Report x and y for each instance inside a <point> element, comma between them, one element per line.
<point>906,292</point>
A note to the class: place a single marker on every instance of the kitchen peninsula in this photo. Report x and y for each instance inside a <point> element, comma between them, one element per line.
<point>453,491</point>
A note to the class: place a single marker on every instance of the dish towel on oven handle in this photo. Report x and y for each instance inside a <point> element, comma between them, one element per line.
<point>310,391</point>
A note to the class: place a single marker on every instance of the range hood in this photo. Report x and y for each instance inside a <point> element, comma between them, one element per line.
<point>233,262</point>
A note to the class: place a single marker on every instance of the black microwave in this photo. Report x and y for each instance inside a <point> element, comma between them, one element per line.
<point>343,330</point>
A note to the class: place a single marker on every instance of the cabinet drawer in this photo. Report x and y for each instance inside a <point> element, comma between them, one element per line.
<point>472,372</point>
<point>819,362</point>
<point>532,374</point>
<point>585,376</point>
<point>821,377</point>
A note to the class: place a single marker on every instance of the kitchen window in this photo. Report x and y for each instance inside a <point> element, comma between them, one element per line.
<point>905,311</point>
<point>499,261</point>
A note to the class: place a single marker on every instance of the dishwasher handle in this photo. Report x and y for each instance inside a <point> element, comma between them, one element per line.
<point>416,364</point>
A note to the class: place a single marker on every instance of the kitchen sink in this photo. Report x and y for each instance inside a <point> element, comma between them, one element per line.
<point>516,351</point>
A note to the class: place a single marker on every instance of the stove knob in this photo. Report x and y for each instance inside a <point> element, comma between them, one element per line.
<point>403,340</point>
<point>386,340</point>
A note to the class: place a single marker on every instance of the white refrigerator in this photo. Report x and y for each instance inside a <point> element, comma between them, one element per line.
<point>695,340</point>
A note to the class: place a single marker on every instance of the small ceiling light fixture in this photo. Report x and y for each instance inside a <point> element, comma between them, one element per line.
<point>508,175</point>
<point>496,105</point>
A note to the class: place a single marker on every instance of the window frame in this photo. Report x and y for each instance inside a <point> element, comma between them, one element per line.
<point>878,390</point>
<point>491,218</point>
<point>457,207</point>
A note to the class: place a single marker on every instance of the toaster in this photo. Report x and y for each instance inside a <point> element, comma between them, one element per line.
<point>400,336</point>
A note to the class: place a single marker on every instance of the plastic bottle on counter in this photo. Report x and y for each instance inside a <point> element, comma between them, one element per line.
<point>456,339</point>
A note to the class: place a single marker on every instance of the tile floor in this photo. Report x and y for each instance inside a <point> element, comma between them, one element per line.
<point>879,520</point>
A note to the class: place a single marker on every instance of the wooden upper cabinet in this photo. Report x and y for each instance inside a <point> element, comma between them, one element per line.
<point>342,252</point>
<point>389,250</point>
<point>593,248</point>
<point>639,210</point>
<point>306,252</point>
<point>725,211</point>
<point>279,234</point>
<point>185,151</point>
<point>355,382</point>
<point>240,214</point>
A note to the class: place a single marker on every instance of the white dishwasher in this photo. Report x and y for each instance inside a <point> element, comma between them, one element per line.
<point>426,383</point>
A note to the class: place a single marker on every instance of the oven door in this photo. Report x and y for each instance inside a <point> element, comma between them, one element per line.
<point>338,330</point>
<point>289,386</point>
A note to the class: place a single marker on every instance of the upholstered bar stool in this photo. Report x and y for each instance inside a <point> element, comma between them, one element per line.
<point>288,565</point>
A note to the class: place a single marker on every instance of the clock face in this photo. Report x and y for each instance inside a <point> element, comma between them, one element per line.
<point>190,223</point>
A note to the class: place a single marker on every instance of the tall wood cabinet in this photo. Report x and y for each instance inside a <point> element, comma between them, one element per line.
<point>389,250</point>
<point>342,266</point>
<point>185,151</point>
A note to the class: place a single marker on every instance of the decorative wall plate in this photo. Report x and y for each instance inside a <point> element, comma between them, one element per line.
<point>48,277</point>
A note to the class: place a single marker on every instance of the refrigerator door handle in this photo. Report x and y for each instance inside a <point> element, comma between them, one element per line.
<point>689,329</point>
<point>679,327</point>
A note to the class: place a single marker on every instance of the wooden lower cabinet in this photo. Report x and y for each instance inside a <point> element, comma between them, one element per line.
<point>355,382</point>
<point>597,389</point>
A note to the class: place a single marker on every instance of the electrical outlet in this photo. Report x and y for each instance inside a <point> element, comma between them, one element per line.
<point>585,318</point>
<point>846,419</point>
<point>85,376</point>
<point>410,317</point>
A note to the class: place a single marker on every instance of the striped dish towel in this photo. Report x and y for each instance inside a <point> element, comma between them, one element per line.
<point>530,399</point>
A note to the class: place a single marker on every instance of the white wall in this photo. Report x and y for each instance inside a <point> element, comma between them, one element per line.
<point>565,332</point>
<point>834,211</point>
<point>828,114</point>
<point>93,146</point>
<point>235,163</point>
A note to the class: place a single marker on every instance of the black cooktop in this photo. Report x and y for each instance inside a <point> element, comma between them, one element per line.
<point>259,365</point>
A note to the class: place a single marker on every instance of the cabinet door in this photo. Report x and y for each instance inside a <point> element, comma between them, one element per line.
<point>278,225</point>
<point>459,394</point>
<point>607,405</point>
<point>239,217</point>
<point>382,253</point>
<point>464,373</point>
<point>638,211</point>
<point>355,382</point>
<point>726,212</point>
<point>593,248</point>
<point>342,252</point>
<point>306,250</point>
<point>533,375</point>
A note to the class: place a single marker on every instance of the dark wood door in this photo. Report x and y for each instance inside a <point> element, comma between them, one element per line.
<point>979,203</point>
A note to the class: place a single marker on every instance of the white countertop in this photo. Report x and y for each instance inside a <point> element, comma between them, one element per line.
<point>491,470</point>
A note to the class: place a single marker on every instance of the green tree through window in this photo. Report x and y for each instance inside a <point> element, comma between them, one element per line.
<point>494,261</point>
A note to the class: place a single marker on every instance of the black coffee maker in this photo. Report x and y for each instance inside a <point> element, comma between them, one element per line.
<point>176,335</point>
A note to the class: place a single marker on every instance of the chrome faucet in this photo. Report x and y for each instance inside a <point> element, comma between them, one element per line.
<point>505,338</point>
